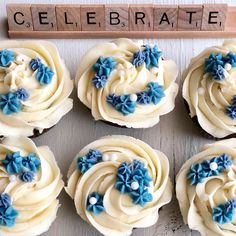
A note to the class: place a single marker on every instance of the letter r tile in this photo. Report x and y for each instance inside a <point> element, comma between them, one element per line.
<point>141,17</point>
<point>117,17</point>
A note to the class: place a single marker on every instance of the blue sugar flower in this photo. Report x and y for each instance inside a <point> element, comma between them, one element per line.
<point>136,165</point>
<point>27,176</point>
<point>223,214</point>
<point>8,216</point>
<point>98,207</point>
<point>141,197</point>
<point>224,161</point>
<point>138,58</point>
<point>35,63</point>
<point>218,73</point>
<point>6,57</point>
<point>31,162</point>
<point>124,168</point>
<point>104,66</point>
<point>112,99</point>
<point>9,103</point>
<point>152,56</point>
<point>123,183</point>
<point>231,111</point>
<point>13,163</point>
<point>99,81</point>
<point>83,164</point>
<point>196,174</point>
<point>143,98</point>
<point>206,167</point>
<point>230,58</point>
<point>125,105</point>
<point>5,201</point>
<point>213,61</point>
<point>95,155</point>
<point>44,75</point>
<point>155,92</point>
<point>142,177</point>
<point>22,94</point>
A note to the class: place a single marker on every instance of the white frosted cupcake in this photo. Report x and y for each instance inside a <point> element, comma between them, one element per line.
<point>119,183</point>
<point>34,88</point>
<point>126,83</point>
<point>206,189</point>
<point>30,182</point>
<point>209,90</point>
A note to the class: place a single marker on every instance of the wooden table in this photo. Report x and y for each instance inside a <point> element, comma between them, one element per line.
<point>175,135</point>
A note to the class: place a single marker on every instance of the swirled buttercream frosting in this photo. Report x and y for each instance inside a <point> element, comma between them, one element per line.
<point>205,189</point>
<point>34,87</point>
<point>119,183</point>
<point>30,182</point>
<point>126,83</point>
<point>209,89</point>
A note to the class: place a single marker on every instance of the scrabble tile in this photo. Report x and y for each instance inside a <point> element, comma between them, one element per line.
<point>141,17</point>
<point>165,17</point>
<point>190,17</point>
<point>92,17</point>
<point>19,17</point>
<point>117,17</point>
<point>68,17</point>
<point>44,17</point>
<point>214,16</point>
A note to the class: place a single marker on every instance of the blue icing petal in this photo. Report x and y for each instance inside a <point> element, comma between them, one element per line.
<point>124,168</point>
<point>123,183</point>
<point>138,58</point>
<point>83,165</point>
<point>155,92</point>
<point>27,176</point>
<point>196,174</point>
<point>95,155</point>
<point>6,57</point>
<point>13,163</point>
<point>231,59</point>
<point>104,66</point>
<point>143,98</point>
<point>22,94</point>
<point>222,214</point>
<point>152,56</point>
<point>35,63</point>
<point>142,177</point>
<point>213,61</point>
<point>44,75</point>
<point>98,207</point>
<point>206,168</point>
<point>231,111</point>
<point>8,216</point>
<point>5,201</point>
<point>99,81</point>
<point>218,73</point>
<point>141,197</point>
<point>112,99</point>
<point>224,161</point>
<point>31,162</point>
<point>9,103</point>
<point>125,105</point>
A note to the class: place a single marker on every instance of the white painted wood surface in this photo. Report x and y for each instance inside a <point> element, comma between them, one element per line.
<point>175,135</point>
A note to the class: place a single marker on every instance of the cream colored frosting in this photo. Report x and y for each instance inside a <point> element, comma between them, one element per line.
<point>207,98</point>
<point>125,79</point>
<point>120,215</point>
<point>196,202</point>
<point>47,104</point>
<point>36,201</point>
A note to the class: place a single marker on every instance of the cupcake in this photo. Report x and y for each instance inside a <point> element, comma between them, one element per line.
<point>30,182</point>
<point>209,90</point>
<point>126,83</point>
<point>119,183</point>
<point>34,88</point>
<point>205,189</point>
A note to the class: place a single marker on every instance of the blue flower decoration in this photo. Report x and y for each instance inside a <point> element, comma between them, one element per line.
<point>9,103</point>
<point>112,99</point>
<point>224,213</point>
<point>8,216</point>
<point>13,163</point>
<point>94,154</point>
<point>224,161</point>
<point>98,207</point>
<point>27,176</point>
<point>35,63</point>
<point>206,167</point>
<point>22,94</point>
<point>213,61</point>
<point>44,75</point>
<point>231,111</point>
<point>152,56</point>
<point>155,92</point>
<point>124,168</point>
<point>125,105</point>
<point>5,201</point>
<point>123,183</point>
<point>136,165</point>
<point>143,98</point>
<point>196,174</point>
<point>104,66</point>
<point>231,59</point>
<point>6,57</point>
<point>99,81</point>
<point>31,162</point>
<point>138,58</point>
<point>218,73</point>
<point>141,197</point>
<point>142,177</point>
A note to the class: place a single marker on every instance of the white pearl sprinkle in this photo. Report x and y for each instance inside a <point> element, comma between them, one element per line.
<point>113,157</point>
<point>12,178</point>
<point>213,166</point>
<point>134,185</point>
<point>228,66</point>
<point>105,157</point>
<point>133,97</point>
<point>140,42</point>
<point>201,91</point>
<point>20,58</point>
<point>92,200</point>
<point>154,70</point>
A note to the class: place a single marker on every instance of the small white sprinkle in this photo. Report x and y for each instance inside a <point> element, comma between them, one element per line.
<point>113,157</point>
<point>201,91</point>
<point>12,178</point>
<point>228,66</point>
<point>133,97</point>
<point>105,157</point>
<point>20,58</point>
<point>154,70</point>
<point>140,42</point>
<point>134,185</point>
<point>213,166</point>
<point>92,200</point>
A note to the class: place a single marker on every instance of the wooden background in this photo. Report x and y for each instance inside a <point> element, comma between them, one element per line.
<point>175,135</point>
